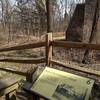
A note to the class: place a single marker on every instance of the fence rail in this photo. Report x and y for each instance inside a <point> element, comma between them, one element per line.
<point>77,45</point>
<point>77,68</point>
<point>22,47</point>
<point>48,44</point>
<point>22,60</point>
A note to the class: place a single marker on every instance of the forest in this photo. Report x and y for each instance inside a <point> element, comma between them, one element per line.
<point>49,49</point>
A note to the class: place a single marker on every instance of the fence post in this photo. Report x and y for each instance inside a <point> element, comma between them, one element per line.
<point>48,49</point>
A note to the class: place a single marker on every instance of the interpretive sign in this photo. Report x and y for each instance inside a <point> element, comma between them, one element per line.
<point>58,85</point>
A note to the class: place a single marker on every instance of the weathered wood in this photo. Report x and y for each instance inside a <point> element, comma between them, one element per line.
<point>22,60</point>
<point>30,73</point>
<point>4,83</point>
<point>9,89</point>
<point>8,85</point>
<point>77,68</point>
<point>48,48</point>
<point>77,45</point>
<point>22,47</point>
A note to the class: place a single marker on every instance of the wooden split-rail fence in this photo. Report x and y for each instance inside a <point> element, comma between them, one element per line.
<point>49,43</point>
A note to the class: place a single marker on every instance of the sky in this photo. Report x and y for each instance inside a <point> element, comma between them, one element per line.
<point>60,4</point>
<point>12,1</point>
<point>58,0</point>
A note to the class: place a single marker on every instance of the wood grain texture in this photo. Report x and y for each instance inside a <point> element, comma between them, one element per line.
<point>22,47</point>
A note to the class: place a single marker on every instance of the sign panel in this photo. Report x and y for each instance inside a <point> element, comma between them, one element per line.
<point>59,85</point>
